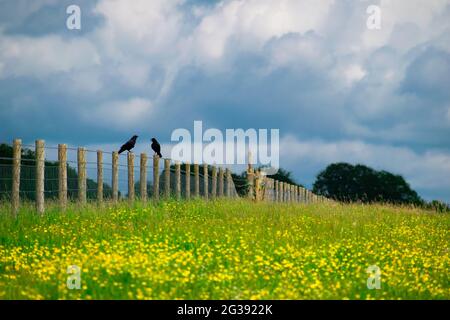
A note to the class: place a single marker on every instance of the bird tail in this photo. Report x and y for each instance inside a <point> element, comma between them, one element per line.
<point>121,150</point>
<point>159,154</point>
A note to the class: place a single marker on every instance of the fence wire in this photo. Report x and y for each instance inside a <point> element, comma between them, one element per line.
<point>236,186</point>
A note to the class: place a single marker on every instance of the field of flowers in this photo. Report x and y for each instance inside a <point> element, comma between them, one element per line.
<point>225,250</point>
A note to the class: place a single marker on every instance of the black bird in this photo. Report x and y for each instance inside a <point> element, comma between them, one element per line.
<point>156,147</point>
<point>128,145</point>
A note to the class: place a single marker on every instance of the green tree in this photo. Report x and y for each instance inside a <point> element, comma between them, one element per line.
<point>346,182</point>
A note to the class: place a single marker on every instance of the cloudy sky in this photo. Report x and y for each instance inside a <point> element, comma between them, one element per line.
<point>337,90</point>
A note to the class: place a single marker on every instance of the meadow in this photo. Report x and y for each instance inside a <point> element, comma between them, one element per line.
<point>225,249</point>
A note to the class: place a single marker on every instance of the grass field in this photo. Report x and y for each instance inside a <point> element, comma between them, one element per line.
<point>225,250</point>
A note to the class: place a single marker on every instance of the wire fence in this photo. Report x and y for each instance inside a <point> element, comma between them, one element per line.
<point>39,173</point>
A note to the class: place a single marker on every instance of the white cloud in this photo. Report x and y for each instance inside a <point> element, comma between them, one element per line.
<point>354,73</point>
<point>119,114</point>
<point>44,56</point>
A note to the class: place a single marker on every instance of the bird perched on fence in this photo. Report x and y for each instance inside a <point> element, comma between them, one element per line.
<point>128,145</point>
<point>156,147</point>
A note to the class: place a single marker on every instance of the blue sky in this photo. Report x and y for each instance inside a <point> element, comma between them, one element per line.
<point>336,90</point>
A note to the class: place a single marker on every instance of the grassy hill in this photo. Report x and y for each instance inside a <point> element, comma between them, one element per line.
<point>225,250</point>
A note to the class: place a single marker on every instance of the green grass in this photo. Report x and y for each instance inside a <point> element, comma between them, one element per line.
<point>224,250</point>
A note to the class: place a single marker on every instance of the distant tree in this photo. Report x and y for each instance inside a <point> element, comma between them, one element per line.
<point>346,182</point>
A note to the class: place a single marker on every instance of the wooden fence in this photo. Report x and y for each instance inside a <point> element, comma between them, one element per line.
<point>216,182</point>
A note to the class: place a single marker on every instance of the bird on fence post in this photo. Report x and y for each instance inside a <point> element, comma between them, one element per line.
<point>156,147</point>
<point>128,145</point>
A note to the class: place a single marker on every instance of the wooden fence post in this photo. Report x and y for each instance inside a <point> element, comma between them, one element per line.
<point>130,165</point>
<point>115,176</point>
<point>285,198</point>
<point>188,180</point>
<point>257,186</point>
<point>272,189</point>
<point>282,191</point>
<point>228,186</point>
<point>205,181</point>
<point>40,175</point>
<point>155,177</point>
<point>17,156</point>
<point>178,180</point>
<point>196,180</point>
<point>220,182</point>
<point>251,182</point>
<point>214,182</point>
<point>62,176</point>
<point>99,176</point>
<point>277,184</point>
<point>143,178</point>
<point>82,175</point>
<point>166,178</point>
<point>275,190</point>
<point>288,192</point>
<point>265,188</point>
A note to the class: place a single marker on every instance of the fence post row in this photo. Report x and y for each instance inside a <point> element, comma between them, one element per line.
<point>260,187</point>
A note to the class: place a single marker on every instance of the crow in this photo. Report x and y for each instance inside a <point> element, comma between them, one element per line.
<point>156,147</point>
<point>128,145</point>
